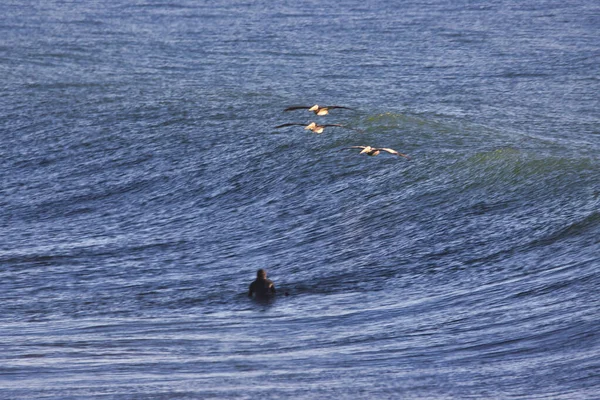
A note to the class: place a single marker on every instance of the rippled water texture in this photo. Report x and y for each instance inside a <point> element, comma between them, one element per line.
<point>143,183</point>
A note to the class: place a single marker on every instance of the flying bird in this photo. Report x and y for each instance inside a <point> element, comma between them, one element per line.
<point>316,109</point>
<point>373,151</point>
<point>316,128</point>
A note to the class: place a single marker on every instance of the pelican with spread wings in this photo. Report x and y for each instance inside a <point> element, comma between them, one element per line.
<point>373,151</point>
<point>318,110</point>
<point>316,128</point>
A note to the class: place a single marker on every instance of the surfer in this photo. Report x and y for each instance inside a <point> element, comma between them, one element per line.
<point>261,288</point>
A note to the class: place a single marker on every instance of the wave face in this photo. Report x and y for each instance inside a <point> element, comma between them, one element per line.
<point>144,183</point>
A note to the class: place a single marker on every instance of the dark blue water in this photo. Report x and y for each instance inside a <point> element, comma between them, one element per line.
<point>142,184</point>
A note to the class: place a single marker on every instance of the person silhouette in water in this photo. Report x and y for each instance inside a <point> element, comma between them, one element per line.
<point>261,288</point>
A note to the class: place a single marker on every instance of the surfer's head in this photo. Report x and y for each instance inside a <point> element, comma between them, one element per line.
<point>261,274</point>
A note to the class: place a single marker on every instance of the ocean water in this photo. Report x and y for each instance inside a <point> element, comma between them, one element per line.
<point>142,184</point>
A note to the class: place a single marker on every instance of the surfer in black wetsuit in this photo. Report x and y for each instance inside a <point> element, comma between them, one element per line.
<point>262,288</point>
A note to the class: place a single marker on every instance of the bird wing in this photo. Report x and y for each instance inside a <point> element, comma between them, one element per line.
<point>356,147</point>
<point>344,126</point>
<point>297,108</point>
<point>394,152</point>
<point>331,107</point>
<point>289,124</point>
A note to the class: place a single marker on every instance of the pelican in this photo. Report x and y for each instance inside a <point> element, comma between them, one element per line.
<point>316,109</point>
<point>315,127</point>
<point>373,151</point>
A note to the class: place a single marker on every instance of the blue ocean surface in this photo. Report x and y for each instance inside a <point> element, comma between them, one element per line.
<point>143,183</point>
